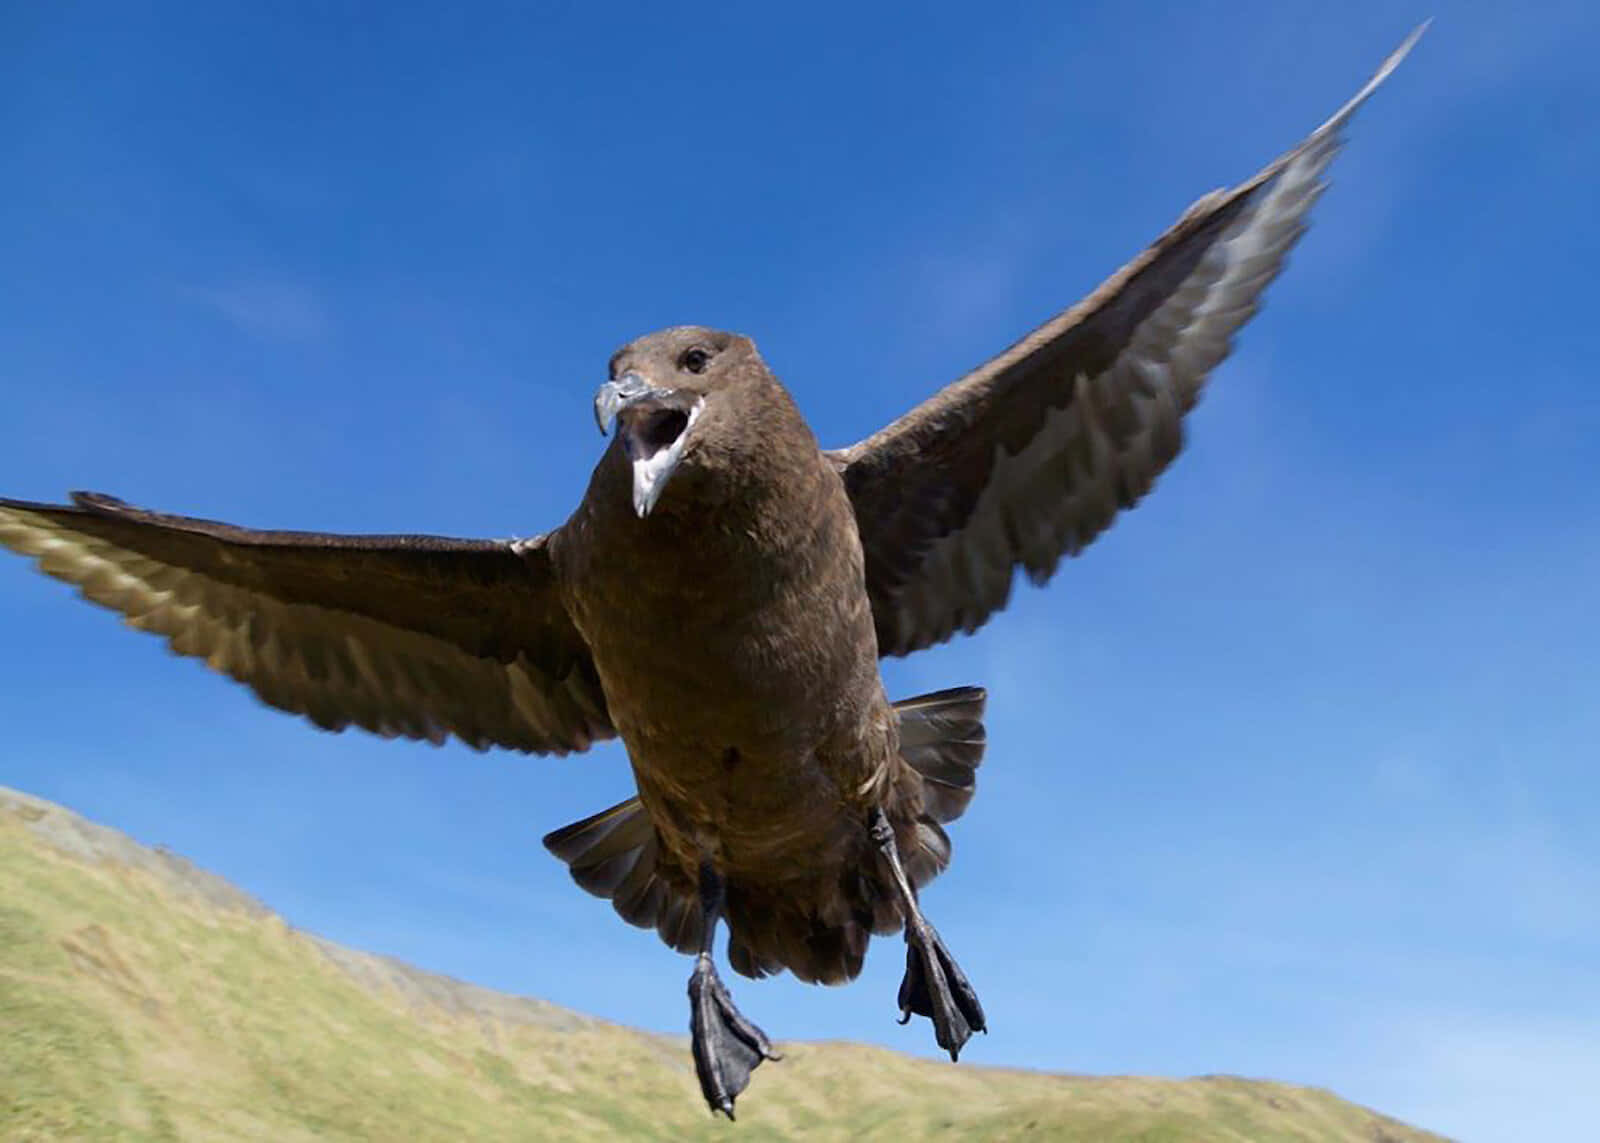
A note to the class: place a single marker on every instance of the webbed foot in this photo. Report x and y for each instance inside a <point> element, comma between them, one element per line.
<point>727,1047</point>
<point>934,986</point>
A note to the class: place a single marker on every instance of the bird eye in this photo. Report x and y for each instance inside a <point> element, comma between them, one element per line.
<point>695,359</point>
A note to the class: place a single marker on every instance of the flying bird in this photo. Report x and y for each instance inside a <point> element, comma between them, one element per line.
<point>721,599</point>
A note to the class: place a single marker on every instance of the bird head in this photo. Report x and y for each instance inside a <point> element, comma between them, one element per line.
<point>665,391</point>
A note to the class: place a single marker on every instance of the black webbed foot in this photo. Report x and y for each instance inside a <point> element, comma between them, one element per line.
<point>934,986</point>
<point>727,1047</point>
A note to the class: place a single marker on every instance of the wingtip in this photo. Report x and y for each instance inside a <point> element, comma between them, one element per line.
<point>87,501</point>
<point>1400,52</point>
<point>1384,71</point>
<point>101,500</point>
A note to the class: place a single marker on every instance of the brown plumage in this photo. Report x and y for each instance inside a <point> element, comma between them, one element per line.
<point>720,599</point>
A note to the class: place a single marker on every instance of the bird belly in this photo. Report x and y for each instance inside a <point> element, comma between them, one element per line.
<point>759,758</point>
<point>745,685</point>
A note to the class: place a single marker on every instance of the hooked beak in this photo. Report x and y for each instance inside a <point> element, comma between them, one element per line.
<point>653,425</point>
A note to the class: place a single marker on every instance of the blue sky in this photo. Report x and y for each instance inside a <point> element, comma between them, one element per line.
<point>1293,774</point>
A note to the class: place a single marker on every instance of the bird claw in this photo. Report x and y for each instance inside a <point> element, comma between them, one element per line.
<point>727,1047</point>
<point>934,986</point>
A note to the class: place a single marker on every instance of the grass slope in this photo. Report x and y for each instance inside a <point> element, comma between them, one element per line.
<point>141,998</point>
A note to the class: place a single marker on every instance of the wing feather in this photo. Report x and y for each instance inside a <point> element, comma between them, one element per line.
<point>418,636</point>
<point>1030,457</point>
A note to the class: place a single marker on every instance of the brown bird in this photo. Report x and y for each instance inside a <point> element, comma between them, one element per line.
<point>721,598</point>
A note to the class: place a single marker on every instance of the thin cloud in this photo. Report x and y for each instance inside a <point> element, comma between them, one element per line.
<point>268,310</point>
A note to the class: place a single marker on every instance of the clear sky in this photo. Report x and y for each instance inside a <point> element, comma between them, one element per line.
<point>1293,774</point>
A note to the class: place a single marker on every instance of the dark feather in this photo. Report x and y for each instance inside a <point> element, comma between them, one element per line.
<point>616,854</point>
<point>1031,456</point>
<point>419,636</point>
<point>942,738</point>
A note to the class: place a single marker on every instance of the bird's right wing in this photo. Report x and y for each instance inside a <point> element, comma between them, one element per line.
<point>1030,456</point>
<point>401,635</point>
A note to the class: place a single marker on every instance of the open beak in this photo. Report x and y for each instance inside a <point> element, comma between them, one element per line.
<point>653,425</point>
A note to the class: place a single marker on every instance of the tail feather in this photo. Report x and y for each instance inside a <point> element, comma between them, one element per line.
<point>929,857</point>
<point>746,961</point>
<point>770,932</point>
<point>615,854</point>
<point>942,738</point>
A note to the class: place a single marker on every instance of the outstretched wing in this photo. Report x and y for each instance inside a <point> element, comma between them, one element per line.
<point>401,635</point>
<point>1029,457</point>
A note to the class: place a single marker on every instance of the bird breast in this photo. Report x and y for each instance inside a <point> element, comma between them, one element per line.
<point>735,644</point>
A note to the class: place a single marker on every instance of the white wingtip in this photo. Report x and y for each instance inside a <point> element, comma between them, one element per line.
<point>1338,118</point>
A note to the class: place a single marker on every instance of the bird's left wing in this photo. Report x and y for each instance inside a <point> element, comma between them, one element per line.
<point>1029,457</point>
<point>402,635</point>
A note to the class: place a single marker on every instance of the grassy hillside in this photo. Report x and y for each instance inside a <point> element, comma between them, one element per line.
<point>141,998</point>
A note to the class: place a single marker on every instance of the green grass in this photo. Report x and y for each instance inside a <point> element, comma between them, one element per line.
<point>140,1000</point>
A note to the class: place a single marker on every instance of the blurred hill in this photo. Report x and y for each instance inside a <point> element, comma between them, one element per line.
<point>143,998</point>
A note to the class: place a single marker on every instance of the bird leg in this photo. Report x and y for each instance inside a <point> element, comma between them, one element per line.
<point>727,1047</point>
<point>934,985</point>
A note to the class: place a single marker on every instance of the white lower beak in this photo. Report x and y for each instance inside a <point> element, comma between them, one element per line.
<point>651,472</point>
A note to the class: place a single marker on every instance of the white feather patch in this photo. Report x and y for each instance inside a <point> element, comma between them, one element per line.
<point>650,473</point>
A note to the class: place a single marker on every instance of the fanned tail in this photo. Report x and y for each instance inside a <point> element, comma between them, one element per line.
<point>613,854</point>
<point>942,738</point>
